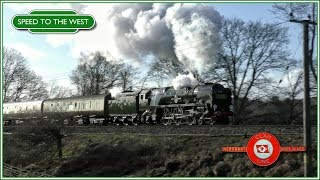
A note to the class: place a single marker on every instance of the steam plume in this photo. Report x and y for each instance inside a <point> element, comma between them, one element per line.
<point>187,32</point>
<point>184,80</point>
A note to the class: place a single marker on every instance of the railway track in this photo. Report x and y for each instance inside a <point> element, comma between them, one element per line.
<point>217,130</point>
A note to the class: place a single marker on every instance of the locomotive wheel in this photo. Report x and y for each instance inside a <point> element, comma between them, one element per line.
<point>148,120</point>
<point>135,122</point>
<point>126,121</point>
<point>186,101</point>
<point>86,121</point>
<point>116,121</point>
<point>80,121</point>
<point>166,113</point>
<point>130,119</point>
<point>105,122</point>
<point>212,120</point>
<point>110,120</point>
<point>178,121</point>
<point>180,112</point>
<point>201,121</point>
<point>191,120</point>
<point>121,120</point>
<point>166,121</point>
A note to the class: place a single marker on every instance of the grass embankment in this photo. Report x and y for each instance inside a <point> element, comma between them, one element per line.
<point>136,155</point>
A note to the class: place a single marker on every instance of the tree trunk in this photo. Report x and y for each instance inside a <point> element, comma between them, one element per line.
<point>59,143</point>
<point>235,111</point>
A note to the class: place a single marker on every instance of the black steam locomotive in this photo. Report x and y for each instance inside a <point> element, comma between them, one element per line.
<point>201,104</point>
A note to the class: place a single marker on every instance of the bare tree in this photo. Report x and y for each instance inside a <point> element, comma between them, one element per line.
<point>95,75</point>
<point>56,91</point>
<point>20,82</point>
<point>127,76</point>
<point>301,11</point>
<point>294,89</point>
<point>164,69</point>
<point>249,51</point>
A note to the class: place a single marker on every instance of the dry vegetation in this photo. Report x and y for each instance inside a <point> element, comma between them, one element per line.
<point>106,155</point>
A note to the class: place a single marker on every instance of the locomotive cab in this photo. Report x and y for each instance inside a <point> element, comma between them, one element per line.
<point>159,94</point>
<point>144,99</point>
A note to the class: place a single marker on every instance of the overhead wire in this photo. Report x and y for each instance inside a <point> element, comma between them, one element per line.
<point>45,75</point>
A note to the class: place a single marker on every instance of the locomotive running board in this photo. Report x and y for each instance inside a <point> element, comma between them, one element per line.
<point>177,105</point>
<point>122,115</point>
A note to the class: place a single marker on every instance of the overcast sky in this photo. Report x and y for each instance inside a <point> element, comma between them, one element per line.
<point>54,56</point>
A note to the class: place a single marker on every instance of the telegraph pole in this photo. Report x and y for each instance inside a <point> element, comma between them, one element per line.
<point>307,139</point>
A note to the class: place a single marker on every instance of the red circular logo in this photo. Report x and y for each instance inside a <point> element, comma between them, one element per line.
<point>263,149</point>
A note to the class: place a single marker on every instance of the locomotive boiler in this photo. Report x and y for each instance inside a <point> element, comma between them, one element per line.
<point>209,103</point>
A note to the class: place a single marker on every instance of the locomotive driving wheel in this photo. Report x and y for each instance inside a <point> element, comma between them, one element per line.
<point>201,121</point>
<point>126,121</point>
<point>178,112</point>
<point>80,121</point>
<point>148,119</point>
<point>191,120</point>
<point>116,121</point>
<point>166,114</point>
<point>212,120</point>
<point>135,121</point>
<point>110,120</point>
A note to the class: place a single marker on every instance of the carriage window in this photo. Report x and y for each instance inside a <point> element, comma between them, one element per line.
<point>75,105</point>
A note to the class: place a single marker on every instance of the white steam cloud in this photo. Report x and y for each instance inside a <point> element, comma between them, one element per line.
<point>187,32</point>
<point>183,81</point>
<point>195,28</point>
<point>115,91</point>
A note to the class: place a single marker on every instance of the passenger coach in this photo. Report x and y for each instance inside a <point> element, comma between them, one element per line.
<point>18,111</point>
<point>82,109</point>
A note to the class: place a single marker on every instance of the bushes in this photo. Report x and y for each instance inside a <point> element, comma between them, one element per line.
<point>103,155</point>
<point>107,160</point>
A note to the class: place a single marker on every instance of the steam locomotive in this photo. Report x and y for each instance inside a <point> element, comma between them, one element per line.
<point>202,104</point>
